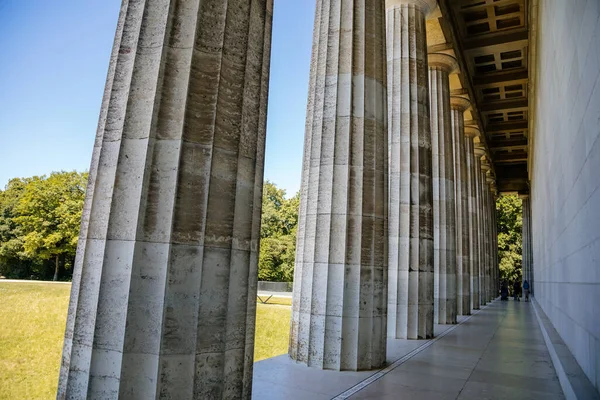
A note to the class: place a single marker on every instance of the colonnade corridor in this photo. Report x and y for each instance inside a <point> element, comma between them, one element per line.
<point>420,114</point>
<point>497,353</point>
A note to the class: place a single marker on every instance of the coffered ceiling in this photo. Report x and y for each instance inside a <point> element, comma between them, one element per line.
<point>491,40</point>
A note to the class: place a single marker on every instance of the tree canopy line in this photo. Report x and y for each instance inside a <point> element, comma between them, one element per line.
<point>40,218</point>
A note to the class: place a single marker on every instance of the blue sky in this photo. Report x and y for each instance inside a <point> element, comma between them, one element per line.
<point>54,59</point>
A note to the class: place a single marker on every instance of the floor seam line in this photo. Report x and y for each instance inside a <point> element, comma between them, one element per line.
<point>381,373</point>
<point>482,354</point>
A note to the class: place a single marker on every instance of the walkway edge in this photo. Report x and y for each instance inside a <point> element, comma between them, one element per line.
<point>574,382</point>
<point>379,374</point>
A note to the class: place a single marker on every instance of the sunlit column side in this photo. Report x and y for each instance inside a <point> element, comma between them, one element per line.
<point>163,299</point>
<point>444,231</point>
<point>463,273</point>
<point>470,133</point>
<point>339,304</point>
<point>410,290</point>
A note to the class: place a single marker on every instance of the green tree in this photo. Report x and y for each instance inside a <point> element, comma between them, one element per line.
<point>510,223</point>
<point>49,214</point>
<point>13,261</point>
<point>279,223</point>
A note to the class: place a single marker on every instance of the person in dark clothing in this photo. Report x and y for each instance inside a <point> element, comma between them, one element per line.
<point>526,289</point>
<point>516,290</point>
<point>504,291</point>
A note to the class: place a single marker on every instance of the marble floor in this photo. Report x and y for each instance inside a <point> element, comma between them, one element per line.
<point>497,353</point>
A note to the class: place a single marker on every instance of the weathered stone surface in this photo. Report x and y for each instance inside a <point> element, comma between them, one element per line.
<point>339,305</point>
<point>444,208</point>
<point>526,235</point>
<point>410,288</point>
<point>163,298</point>
<point>470,133</point>
<point>479,151</point>
<point>463,273</point>
<point>487,229</point>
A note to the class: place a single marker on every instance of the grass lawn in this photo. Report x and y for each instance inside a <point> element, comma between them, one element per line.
<point>32,323</point>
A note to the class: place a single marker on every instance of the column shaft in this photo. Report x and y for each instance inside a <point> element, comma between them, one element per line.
<point>480,229</point>
<point>339,305</point>
<point>463,273</point>
<point>485,237</point>
<point>163,298</point>
<point>443,195</point>
<point>526,260</point>
<point>472,204</point>
<point>488,232</point>
<point>410,291</point>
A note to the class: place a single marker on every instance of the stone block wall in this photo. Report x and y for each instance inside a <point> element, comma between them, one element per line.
<point>565,176</point>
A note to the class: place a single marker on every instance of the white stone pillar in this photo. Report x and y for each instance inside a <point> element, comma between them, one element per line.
<point>444,230</point>
<point>479,151</point>
<point>470,133</point>
<point>495,287</point>
<point>410,289</point>
<point>485,167</point>
<point>163,297</point>
<point>490,182</point>
<point>526,238</point>
<point>339,305</point>
<point>463,273</point>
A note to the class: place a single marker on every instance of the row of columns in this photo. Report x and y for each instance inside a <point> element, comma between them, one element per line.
<point>440,257</point>
<point>395,200</point>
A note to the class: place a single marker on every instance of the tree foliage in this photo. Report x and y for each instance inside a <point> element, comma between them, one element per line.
<point>278,235</point>
<point>510,224</point>
<point>39,224</point>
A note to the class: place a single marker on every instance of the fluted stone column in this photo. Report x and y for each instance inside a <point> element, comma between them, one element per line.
<point>485,167</point>
<point>444,230</point>
<point>339,305</point>
<point>470,133</point>
<point>164,286</point>
<point>479,151</point>
<point>463,273</point>
<point>526,260</point>
<point>490,212</point>
<point>493,244</point>
<point>410,289</point>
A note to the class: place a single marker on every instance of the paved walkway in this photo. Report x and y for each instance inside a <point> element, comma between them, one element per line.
<point>498,353</point>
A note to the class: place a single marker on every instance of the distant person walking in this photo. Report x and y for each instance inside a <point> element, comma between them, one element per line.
<point>504,291</point>
<point>526,289</point>
<point>516,288</point>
